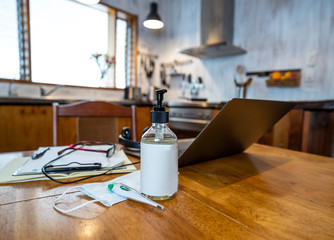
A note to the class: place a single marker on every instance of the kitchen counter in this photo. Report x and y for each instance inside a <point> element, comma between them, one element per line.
<point>195,104</point>
<point>316,105</point>
<point>31,101</point>
<point>50,100</point>
<point>307,105</point>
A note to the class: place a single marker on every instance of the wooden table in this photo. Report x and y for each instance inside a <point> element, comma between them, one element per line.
<point>264,193</point>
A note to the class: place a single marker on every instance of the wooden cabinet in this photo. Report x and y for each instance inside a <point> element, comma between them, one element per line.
<point>287,132</point>
<point>27,127</point>
<point>309,131</point>
<point>318,132</point>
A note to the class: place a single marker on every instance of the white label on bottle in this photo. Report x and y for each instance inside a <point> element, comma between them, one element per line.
<point>159,169</point>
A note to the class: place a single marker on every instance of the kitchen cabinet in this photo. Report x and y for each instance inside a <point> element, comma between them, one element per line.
<point>318,131</point>
<point>309,127</point>
<point>27,127</point>
<point>304,130</point>
<point>287,132</point>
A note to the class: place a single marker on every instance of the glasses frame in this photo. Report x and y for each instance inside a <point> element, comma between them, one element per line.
<point>81,147</point>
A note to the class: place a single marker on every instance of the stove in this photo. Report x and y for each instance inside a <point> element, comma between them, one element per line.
<point>187,119</point>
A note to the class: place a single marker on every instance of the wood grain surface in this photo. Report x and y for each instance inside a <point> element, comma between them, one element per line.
<point>142,119</point>
<point>263,193</point>
<point>24,127</point>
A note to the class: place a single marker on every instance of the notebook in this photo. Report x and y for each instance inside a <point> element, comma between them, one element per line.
<point>239,124</point>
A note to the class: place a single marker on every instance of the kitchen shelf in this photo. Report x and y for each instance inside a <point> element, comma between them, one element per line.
<point>288,82</point>
<point>280,82</point>
<point>269,72</point>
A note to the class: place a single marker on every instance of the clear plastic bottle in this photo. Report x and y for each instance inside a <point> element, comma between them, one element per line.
<point>159,156</point>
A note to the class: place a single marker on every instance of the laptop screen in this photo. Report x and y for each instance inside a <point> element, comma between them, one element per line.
<point>240,123</point>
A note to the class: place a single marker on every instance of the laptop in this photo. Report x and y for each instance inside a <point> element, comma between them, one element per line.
<point>239,124</point>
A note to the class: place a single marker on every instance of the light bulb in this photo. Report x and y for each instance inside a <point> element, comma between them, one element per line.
<point>89,1</point>
<point>153,24</point>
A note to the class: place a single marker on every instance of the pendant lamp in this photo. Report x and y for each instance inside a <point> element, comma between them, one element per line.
<point>153,20</point>
<point>89,1</point>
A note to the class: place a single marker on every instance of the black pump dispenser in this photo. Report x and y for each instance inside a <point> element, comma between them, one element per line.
<point>159,114</point>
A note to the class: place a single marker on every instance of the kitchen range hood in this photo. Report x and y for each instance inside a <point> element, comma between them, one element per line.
<point>216,32</point>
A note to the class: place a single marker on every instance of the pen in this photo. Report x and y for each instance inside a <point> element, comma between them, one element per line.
<point>37,155</point>
<point>130,193</point>
<point>67,168</point>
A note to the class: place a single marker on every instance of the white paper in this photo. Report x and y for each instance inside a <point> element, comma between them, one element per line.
<point>34,166</point>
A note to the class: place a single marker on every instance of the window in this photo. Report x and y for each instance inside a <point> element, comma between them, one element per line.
<point>9,50</point>
<point>64,36</point>
<point>121,34</point>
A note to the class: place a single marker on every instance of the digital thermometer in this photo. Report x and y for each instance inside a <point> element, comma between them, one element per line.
<point>130,193</point>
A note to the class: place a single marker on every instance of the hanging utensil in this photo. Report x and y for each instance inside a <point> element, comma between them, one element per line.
<point>149,67</point>
<point>243,86</point>
<point>163,76</point>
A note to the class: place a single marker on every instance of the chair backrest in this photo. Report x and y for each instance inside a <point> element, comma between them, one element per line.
<point>91,109</point>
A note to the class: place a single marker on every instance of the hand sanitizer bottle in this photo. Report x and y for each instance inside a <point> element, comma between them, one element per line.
<point>159,155</point>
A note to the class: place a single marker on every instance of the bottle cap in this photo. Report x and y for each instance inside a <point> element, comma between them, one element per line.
<point>159,114</point>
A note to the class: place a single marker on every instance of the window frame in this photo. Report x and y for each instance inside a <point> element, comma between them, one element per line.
<point>113,13</point>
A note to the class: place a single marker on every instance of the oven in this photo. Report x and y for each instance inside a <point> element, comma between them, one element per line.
<point>187,121</point>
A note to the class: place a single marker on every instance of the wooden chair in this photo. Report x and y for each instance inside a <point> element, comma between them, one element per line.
<point>91,109</point>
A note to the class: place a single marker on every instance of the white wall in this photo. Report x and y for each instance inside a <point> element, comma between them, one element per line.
<point>276,35</point>
<point>284,34</point>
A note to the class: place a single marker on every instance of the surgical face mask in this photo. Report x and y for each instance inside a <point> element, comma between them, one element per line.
<point>100,192</point>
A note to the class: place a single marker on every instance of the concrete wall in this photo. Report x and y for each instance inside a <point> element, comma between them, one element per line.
<point>276,34</point>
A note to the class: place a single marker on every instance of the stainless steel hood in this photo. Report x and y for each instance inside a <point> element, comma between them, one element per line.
<point>216,30</point>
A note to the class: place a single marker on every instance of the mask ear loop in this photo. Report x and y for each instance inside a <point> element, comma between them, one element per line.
<point>72,209</point>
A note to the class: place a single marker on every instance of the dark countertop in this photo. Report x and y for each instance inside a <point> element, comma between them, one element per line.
<point>307,105</point>
<point>49,101</point>
<point>31,101</point>
<point>316,105</point>
<point>194,104</point>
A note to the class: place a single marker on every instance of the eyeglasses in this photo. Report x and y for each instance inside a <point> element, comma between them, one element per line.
<point>81,146</point>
